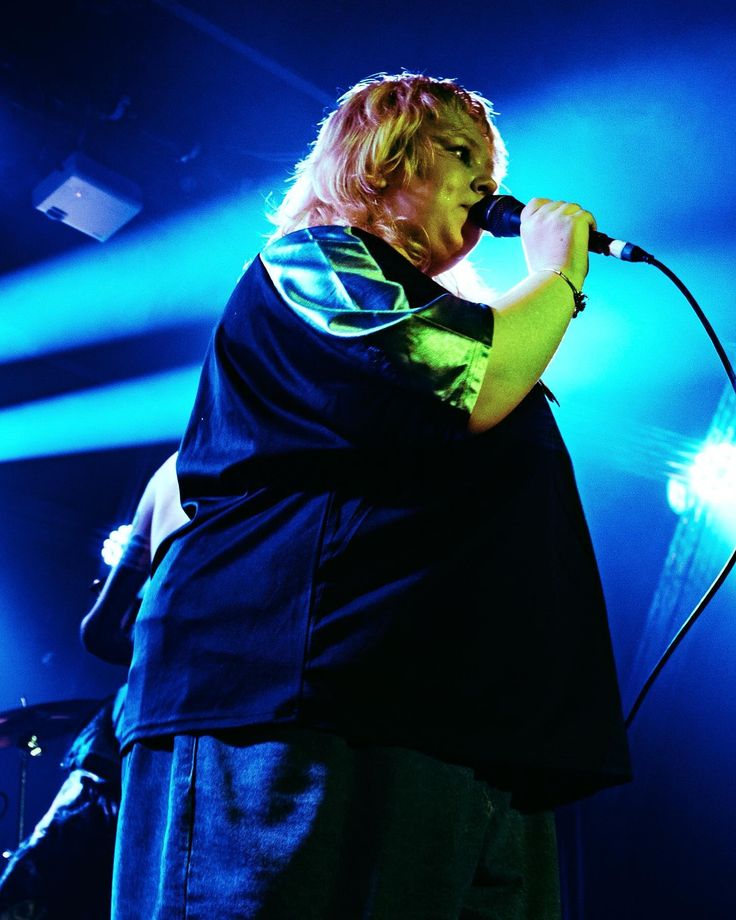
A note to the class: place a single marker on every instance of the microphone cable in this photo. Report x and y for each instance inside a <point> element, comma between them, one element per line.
<point>723,574</point>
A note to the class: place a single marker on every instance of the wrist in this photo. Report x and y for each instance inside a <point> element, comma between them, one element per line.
<point>579,299</point>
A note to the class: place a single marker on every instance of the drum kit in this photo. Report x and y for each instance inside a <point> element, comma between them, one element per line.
<point>29,728</point>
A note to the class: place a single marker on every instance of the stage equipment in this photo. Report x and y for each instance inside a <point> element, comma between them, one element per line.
<point>30,727</point>
<point>88,197</point>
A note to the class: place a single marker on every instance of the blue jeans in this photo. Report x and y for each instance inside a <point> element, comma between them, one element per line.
<point>300,825</point>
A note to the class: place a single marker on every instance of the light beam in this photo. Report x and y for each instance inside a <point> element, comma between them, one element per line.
<point>147,410</point>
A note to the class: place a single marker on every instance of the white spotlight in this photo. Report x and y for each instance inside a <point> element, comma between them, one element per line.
<point>713,474</point>
<point>112,548</point>
<point>710,480</point>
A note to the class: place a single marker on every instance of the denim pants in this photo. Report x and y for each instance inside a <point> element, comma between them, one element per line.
<point>300,825</point>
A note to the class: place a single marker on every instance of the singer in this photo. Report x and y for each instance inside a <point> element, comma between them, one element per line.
<point>378,655</point>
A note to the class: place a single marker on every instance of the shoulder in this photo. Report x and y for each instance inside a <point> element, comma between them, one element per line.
<point>334,278</point>
<point>345,280</point>
<point>339,246</point>
<point>327,235</point>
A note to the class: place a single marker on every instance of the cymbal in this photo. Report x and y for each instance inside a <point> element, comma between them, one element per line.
<point>45,721</point>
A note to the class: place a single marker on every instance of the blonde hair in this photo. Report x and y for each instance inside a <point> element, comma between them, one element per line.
<point>377,136</point>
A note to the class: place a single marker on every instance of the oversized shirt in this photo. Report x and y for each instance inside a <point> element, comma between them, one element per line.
<point>357,562</point>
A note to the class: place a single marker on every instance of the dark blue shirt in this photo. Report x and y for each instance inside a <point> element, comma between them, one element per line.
<point>357,562</point>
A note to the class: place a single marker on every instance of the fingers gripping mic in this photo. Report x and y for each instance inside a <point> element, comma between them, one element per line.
<point>500,215</point>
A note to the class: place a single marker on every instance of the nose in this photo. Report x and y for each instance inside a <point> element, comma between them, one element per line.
<point>483,183</point>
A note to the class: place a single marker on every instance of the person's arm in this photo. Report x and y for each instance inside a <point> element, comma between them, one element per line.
<point>105,630</point>
<point>351,286</point>
<point>167,514</point>
<point>532,317</point>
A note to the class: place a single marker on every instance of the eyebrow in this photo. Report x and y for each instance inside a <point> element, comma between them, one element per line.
<point>450,131</point>
<point>447,133</point>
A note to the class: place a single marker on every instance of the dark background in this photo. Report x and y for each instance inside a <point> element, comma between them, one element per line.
<point>627,108</point>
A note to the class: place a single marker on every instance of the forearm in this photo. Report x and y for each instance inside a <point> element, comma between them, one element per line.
<point>105,630</point>
<point>530,322</point>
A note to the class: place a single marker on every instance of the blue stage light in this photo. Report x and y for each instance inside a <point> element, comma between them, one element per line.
<point>147,410</point>
<point>181,269</point>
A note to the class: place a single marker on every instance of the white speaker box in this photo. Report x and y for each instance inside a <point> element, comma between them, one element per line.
<point>88,197</point>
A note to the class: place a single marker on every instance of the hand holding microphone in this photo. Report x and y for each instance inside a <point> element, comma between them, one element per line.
<point>555,236</point>
<point>500,215</point>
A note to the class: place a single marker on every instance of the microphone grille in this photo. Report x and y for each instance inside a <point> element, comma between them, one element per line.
<point>502,215</point>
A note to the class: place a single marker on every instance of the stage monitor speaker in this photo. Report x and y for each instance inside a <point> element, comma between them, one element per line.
<point>88,197</point>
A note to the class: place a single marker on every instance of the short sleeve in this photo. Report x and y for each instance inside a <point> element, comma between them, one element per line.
<point>348,284</point>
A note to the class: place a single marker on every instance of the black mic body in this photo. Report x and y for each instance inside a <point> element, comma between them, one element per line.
<point>500,215</point>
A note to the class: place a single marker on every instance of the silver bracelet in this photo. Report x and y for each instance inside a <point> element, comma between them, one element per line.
<point>578,297</point>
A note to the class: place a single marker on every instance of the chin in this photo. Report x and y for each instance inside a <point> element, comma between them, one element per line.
<point>471,237</point>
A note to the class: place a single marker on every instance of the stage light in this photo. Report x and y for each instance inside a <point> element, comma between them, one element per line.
<point>114,545</point>
<point>713,474</point>
<point>147,410</point>
<point>178,270</point>
<point>679,497</point>
<point>709,480</point>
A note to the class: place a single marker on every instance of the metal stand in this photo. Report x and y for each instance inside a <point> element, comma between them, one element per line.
<point>24,756</point>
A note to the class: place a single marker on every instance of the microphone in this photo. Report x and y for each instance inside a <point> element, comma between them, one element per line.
<point>500,215</point>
